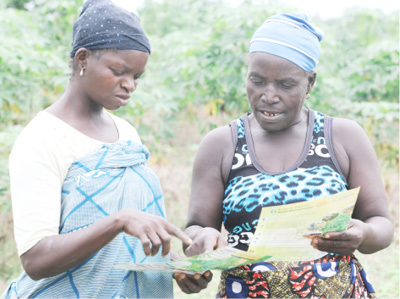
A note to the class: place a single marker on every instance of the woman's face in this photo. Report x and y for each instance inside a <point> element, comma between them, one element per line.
<point>112,75</point>
<point>276,89</point>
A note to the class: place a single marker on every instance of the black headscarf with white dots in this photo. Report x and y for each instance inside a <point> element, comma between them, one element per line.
<point>104,25</point>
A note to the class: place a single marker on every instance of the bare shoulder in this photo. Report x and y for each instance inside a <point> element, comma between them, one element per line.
<point>349,136</point>
<point>351,144</point>
<point>221,133</point>
<point>216,151</point>
<point>217,143</point>
<point>347,130</point>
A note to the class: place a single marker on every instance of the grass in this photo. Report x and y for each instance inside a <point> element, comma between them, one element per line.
<point>173,164</point>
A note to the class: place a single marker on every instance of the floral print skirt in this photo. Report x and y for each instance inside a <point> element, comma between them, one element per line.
<point>332,276</point>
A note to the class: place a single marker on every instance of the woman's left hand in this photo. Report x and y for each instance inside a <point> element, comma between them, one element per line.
<point>343,242</point>
<point>189,283</point>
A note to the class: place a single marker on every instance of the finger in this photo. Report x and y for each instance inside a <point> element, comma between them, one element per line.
<point>208,276</point>
<point>177,276</point>
<point>174,255</point>
<point>173,230</point>
<point>210,244</point>
<point>352,222</point>
<point>190,251</point>
<point>321,244</point>
<point>200,281</point>
<point>191,284</point>
<point>180,276</point>
<point>181,285</point>
<point>222,242</point>
<point>146,245</point>
<point>342,235</point>
<point>166,243</point>
<point>198,248</point>
<point>342,247</point>
<point>155,242</point>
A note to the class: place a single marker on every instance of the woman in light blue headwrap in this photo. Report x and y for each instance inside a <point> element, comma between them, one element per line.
<point>84,199</point>
<point>281,153</point>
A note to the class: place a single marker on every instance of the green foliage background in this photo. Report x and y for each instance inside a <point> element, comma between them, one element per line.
<point>197,68</point>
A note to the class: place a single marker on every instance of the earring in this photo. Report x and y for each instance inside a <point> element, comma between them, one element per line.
<point>307,96</point>
<point>82,71</point>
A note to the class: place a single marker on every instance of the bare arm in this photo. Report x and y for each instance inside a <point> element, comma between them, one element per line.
<point>56,254</point>
<point>210,171</point>
<point>371,228</point>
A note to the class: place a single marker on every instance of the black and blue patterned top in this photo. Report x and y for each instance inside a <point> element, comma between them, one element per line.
<point>250,187</point>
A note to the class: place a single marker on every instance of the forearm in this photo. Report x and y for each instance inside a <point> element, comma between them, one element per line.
<point>378,235</point>
<point>56,254</point>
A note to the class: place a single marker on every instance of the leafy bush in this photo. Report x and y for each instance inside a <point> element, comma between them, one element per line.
<point>33,66</point>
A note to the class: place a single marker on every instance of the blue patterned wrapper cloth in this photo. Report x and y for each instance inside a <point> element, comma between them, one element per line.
<point>112,178</point>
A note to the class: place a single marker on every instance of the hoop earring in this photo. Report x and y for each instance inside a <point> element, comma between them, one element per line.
<point>82,71</point>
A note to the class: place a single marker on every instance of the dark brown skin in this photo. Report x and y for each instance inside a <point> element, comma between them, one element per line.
<point>109,79</point>
<point>56,254</point>
<point>276,85</point>
<point>190,284</point>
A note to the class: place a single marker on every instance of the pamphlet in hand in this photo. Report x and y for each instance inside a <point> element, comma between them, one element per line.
<point>285,231</point>
<point>283,234</point>
<point>222,259</point>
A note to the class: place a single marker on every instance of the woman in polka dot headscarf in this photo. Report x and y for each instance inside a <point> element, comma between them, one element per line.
<point>84,199</point>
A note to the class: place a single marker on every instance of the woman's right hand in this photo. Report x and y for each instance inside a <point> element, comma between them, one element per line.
<point>153,231</point>
<point>56,254</point>
<point>204,239</point>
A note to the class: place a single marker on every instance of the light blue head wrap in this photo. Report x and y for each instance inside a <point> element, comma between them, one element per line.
<point>290,36</point>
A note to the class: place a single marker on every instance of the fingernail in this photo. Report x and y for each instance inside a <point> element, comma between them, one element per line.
<point>197,276</point>
<point>208,273</point>
<point>327,236</point>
